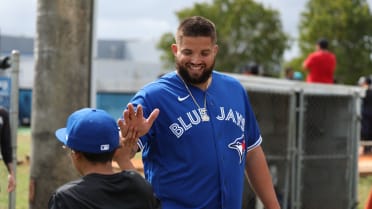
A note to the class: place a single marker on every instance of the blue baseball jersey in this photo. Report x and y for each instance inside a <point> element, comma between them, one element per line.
<point>193,163</point>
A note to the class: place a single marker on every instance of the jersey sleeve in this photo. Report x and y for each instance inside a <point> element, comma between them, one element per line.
<point>5,139</point>
<point>55,203</point>
<point>146,190</point>
<point>253,134</point>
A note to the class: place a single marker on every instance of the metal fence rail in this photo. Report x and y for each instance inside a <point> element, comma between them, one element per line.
<point>310,137</point>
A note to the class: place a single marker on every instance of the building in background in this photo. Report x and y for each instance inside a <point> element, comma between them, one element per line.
<point>120,68</point>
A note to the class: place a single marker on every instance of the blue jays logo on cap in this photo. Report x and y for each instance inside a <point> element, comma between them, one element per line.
<point>238,145</point>
<point>90,130</point>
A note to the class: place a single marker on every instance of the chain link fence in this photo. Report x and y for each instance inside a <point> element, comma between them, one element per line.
<point>310,138</point>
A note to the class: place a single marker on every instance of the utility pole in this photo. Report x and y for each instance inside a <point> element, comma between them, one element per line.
<point>13,117</point>
<point>61,86</point>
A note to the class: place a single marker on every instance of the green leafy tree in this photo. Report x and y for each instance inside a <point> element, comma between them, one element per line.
<point>247,33</point>
<point>345,23</point>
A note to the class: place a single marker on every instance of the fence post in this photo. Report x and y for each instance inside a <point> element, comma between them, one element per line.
<point>13,117</point>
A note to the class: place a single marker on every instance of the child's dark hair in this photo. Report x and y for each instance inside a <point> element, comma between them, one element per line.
<point>98,157</point>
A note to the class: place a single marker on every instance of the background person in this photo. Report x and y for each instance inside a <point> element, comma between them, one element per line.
<point>289,73</point>
<point>92,137</point>
<point>251,69</point>
<point>366,122</point>
<point>369,200</point>
<point>297,76</point>
<point>6,147</point>
<point>206,134</point>
<point>321,64</point>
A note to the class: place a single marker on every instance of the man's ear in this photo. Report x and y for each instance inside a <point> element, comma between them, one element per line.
<point>174,49</point>
<point>215,49</point>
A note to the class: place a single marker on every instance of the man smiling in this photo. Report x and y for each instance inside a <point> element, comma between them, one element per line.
<point>206,134</point>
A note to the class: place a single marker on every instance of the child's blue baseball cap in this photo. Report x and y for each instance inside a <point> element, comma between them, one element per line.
<point>90,130</point>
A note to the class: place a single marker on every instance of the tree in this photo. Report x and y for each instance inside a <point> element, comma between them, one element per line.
<point>61,85</point>
<point>345,24</point>
<point>253,36</point>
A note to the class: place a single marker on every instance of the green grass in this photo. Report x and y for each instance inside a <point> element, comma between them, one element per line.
<point>365,185</point>
<point>23,150</point>
<point>22,178</point>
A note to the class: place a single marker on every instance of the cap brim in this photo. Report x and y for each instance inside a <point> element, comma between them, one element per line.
<point>61,135</point>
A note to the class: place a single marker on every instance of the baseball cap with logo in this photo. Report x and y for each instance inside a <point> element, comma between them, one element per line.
<point>90,130</point>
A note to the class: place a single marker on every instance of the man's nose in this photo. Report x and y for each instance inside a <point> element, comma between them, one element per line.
<point>196,59</point>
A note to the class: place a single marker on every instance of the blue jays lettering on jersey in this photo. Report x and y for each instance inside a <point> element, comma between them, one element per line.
<point>193,163</point>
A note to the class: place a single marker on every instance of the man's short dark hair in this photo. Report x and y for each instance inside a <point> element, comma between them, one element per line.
<point>323,43</point>
<point>254,69</point>
<point>196,26</point>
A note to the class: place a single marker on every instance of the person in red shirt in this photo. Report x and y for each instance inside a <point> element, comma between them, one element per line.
<point>320,64</point>
<point>369,201</point>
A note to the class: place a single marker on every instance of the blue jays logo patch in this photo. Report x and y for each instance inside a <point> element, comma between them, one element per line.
<point>238,145</point>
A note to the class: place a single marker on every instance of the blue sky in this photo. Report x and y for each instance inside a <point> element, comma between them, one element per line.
<point>139,19</point>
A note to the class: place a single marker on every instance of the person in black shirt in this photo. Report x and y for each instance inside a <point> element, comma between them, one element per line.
<point>92,136</point>
<point>6,147</point>
<point>366,123</point>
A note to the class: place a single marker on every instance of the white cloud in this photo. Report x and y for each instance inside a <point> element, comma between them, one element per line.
<point>132,28</point>
<point>18,17</point>
<point>138,19</point>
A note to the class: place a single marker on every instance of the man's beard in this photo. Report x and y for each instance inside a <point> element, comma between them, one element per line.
<point>182,71</point>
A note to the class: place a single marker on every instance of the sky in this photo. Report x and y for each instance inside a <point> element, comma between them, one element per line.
<point>138,19</point>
